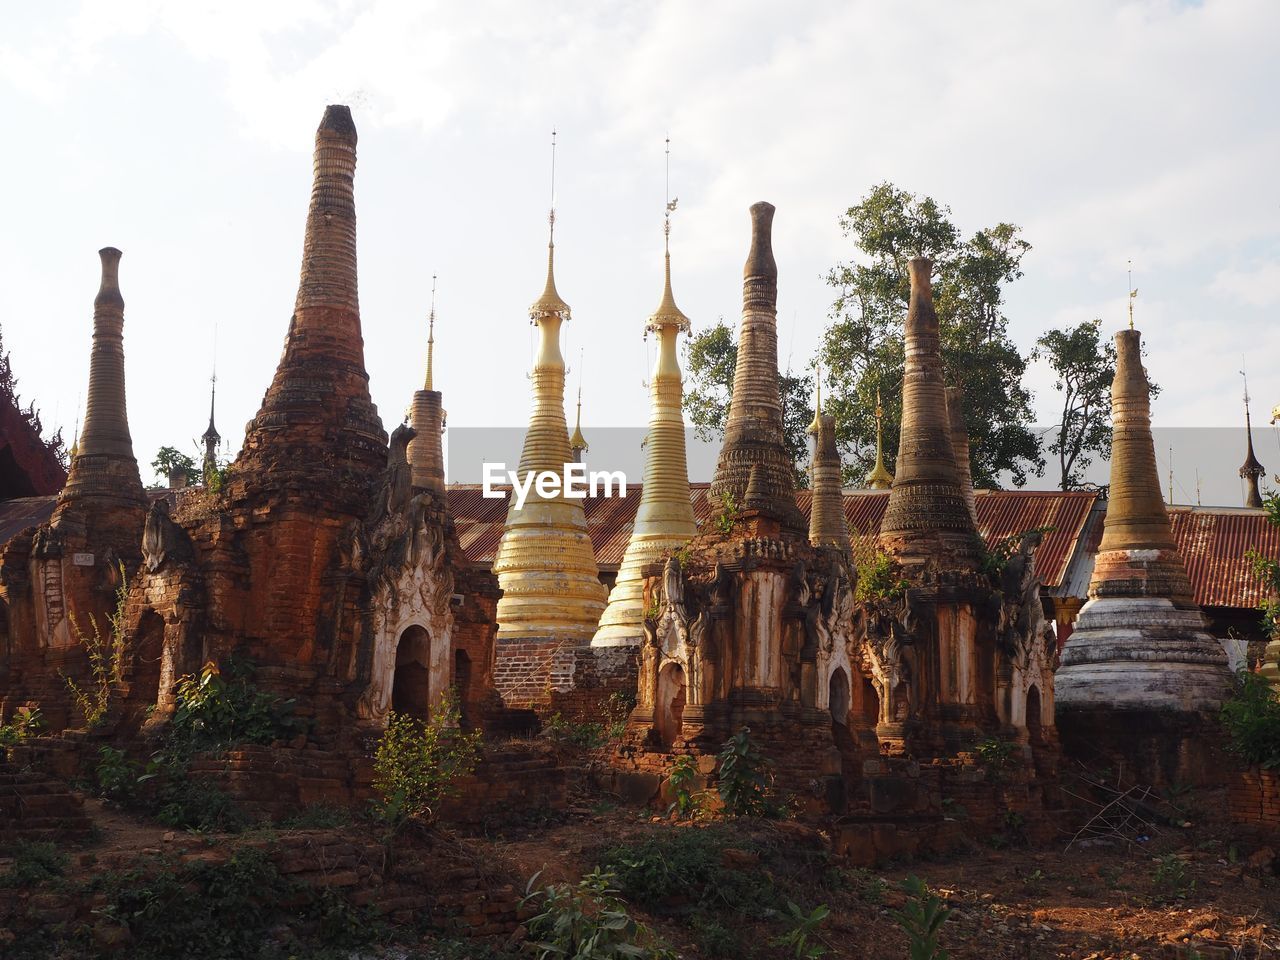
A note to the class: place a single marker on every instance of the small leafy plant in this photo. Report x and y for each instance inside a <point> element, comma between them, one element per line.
<point>797,941</point>
<point>921,919</point>
<point>1171,879</point>
<point>24,724</point>
<point>107,654</point>
<point>417,765</point>
<point>683,780</point>
<point>878,577</point>
<point>729,513</point>
<point>34,863</point>
<point>587,921</point>
<point>995,754</point>
<point>744,778</point>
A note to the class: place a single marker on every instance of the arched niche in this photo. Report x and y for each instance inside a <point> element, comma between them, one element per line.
<point>411,683</point>
<point>669,710</point>
<point>839,699</point>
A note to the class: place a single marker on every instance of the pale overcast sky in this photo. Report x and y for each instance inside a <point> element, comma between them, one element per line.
<point>182,133</point>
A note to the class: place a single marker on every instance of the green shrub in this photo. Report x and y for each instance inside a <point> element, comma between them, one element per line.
<point>24,724</point>
<point>1251,717</point>
<point>417,765</point>
<point>34,863</point>
<point>116,774</point>
<point>997,755</point>
<point>683,780</point>
<point>593,734</point>
<point>587,921</point>
<point>877,573</point>
<point>220,708</point>
<point>729,512</point>
<point>921,919</point>
<point>744,778</point>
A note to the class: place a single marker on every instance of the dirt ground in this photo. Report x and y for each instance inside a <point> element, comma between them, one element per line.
<point>1196,891</point>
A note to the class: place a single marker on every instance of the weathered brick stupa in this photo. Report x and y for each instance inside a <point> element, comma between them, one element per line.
<point>320,563</point>
<point>551,591</point>
<point>664,522</point>
<point>940,662</point>
<point>751,455</point>
<point>61,578</point>
<point>750,626</point>
<point>959,433</point>
<point>427,417</point>
<point>827,524</point>
<point>1141,678</point>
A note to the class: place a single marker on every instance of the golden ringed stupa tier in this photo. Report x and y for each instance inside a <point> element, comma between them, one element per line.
<point>551,587</point>
<point>664,522</point>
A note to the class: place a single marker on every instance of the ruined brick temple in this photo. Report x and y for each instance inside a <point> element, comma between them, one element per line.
<point>868,668</point>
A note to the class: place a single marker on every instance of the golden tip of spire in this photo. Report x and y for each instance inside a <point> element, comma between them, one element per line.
<point>550,303</point>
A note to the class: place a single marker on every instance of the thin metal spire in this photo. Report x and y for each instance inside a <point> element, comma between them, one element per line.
<point>551,217</point>
<point>1133,295</point>
<point>431,334</point>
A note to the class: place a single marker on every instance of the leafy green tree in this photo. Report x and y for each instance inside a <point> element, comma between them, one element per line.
<point>1084,363</point>
<point>862,349</point>
<point>1084,366</point>
<point>710,359</point>
<point>169,459</point>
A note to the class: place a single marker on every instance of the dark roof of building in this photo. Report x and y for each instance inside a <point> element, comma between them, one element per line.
<point>19,514</point>
<point>1001,514</point>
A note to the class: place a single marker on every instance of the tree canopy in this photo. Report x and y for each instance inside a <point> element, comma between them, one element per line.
<point>862,350</point>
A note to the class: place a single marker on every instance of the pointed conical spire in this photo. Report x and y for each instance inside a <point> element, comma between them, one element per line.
<point>827,524</point>
<point>927,518</point>
<point>103,466</point>
<point>428,384</point>
<point>317,415</point>
<point>879,478</point>
<point>212,439</point>
<point>664,523</point>
<point>545,564</point>
<point>753,436</point>
<point>578,443</point>
<point>427,418</point>
<point>1252,471</point>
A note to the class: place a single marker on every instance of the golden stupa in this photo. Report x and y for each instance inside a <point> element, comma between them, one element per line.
<point>664,522</point>
<point>551,587</point>
<point>879,478</point>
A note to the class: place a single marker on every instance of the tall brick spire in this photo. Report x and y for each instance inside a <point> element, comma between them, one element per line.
<point>104,467</point>
<point>827,524</point>
<point>317,415</point>
<point>927,518</point>
<point>959,433</point>
<point>753,435</point>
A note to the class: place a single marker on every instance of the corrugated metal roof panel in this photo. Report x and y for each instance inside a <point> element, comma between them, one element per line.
<point>1213,543</point>
<point>18,514</point>
<point>1007,513</point>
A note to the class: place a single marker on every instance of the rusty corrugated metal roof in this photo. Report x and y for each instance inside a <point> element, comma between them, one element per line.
<point>1213,542</point>
<point>610,519</point>
<point>18,514</point>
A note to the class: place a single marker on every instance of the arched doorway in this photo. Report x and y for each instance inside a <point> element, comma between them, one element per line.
<point>669,715</point>
<point>870,703</point>
<point>1033,715</point>
<point>838,701</point>
<point>144,666</point>
<point>411,686</point>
